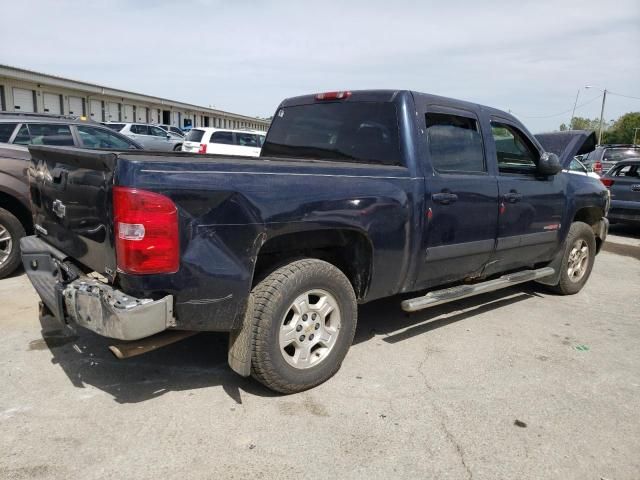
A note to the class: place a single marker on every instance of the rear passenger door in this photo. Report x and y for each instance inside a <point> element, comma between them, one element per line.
<point>531,205</point>
<point>461,199</point>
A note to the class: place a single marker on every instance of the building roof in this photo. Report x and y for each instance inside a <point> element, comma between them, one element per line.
<point>37,77</point>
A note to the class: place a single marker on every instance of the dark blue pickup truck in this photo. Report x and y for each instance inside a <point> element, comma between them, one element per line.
<point>356,196</point>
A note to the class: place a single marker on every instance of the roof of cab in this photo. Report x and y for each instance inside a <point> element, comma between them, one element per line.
<point>392,95</point>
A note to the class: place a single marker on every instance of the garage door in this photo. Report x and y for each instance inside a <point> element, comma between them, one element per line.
<point>52,103</point>
<point>112,112</point>
<point>23,100</point>
<point>75,106</point>
<point>95,107</point>
<point>141,113</point>
<point>128,114</point>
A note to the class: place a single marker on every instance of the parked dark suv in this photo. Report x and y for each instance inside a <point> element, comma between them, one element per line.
<point>17,131</point>
<point>604,157</point>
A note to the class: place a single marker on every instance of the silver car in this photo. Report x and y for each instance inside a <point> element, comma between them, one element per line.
<point>150,137</point>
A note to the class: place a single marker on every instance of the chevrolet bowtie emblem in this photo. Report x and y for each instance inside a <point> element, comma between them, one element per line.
<point>58,208</point>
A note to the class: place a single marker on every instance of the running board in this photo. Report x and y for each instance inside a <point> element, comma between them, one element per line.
<point>438,297</point>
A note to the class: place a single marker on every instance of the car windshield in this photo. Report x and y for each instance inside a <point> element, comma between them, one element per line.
<point>194,135</point>
<point>365,132</point>
<point>115,126</point>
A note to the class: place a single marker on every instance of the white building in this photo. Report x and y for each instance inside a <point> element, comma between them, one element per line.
<point>27,91</point>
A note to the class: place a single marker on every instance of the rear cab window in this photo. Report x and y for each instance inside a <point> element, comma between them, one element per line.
<point>194,135</point>
<point>362,132</point>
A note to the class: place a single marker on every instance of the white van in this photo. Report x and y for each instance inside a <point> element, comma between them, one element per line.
<point>246,143</point>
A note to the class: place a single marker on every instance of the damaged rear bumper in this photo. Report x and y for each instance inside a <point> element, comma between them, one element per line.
<point>88,302</point>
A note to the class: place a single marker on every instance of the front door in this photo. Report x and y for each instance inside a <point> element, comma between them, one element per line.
<point>462,199</point>
<point>531,205</point>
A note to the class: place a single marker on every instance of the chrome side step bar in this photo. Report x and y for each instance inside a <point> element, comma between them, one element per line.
<point>438,297</point>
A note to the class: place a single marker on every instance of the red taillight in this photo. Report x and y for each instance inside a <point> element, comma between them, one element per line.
<point>597,167</point>
<point>203,148</point>
<point>607,182</point>
<point>333,96</point>
<point>146,231</point>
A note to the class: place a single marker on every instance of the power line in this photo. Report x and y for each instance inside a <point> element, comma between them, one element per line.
<point>622,95</point>
<point>561,113</point>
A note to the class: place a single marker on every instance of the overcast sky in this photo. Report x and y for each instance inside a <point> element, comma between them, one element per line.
<point>245,56</point>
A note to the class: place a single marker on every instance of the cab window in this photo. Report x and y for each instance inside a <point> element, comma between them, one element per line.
<point>455,143</point>
<point>514,151</point>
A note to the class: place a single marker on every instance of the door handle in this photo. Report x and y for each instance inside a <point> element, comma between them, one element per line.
<point>445,198</point>
<point>512,196</point>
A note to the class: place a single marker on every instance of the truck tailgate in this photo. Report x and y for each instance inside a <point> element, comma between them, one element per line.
<point>71,201</point>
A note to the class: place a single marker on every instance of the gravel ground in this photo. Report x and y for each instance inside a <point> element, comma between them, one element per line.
<point>518,384</point>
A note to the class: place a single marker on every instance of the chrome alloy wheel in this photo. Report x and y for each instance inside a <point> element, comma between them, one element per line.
<point>578,260</point>
<point>6,244</point>
<point>309,329</point>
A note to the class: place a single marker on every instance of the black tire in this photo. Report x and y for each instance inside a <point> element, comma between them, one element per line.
<point>177,148</point>
<point>14,228</point>
<point>579,232</point>
<point>273,297</point>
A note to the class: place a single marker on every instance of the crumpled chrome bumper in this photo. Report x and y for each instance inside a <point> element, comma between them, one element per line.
<point>111,313</point>
<point>87,301</point>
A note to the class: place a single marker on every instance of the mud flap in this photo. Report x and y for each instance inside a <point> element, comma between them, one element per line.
<point>556,264</point>
<point>239,356</point>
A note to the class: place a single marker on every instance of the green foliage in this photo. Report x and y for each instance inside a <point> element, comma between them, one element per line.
<point>622,130</point>
<point>580,123</point>
<point>618,131</point>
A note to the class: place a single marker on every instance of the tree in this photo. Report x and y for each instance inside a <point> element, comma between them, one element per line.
<point>580,123</point>
<point>622,130</point>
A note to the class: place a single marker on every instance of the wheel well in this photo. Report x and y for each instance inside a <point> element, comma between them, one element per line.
<point>348,250</point>
<point>591,216</point>
<point>15,207</point>
<point>588,215</point>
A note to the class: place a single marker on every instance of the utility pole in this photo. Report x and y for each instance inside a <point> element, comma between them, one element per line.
<point>573,114</point>
<point>635,132</point>
<point>604,99</point>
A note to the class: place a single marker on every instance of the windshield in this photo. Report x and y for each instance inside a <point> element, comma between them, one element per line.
<point>115,126</point>
<point>365,132</point>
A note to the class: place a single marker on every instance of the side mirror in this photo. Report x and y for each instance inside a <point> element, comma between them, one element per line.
<point>549,164</point>
<point>168,137</point>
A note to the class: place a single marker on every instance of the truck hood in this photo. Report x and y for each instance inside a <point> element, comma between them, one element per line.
<point>568,144</point>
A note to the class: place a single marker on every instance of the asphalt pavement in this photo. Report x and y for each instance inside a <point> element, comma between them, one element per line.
<point>517,384</point>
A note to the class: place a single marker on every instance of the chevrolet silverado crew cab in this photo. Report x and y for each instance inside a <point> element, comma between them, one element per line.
<point>355,196</point>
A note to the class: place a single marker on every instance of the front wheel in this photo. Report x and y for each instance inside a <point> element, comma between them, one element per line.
<point>304,320</point>
<point>577,261</point>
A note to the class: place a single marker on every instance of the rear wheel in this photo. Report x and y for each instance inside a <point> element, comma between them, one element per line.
<point>11,231</point>
<point>304,321</point>
<point>578,258</point>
